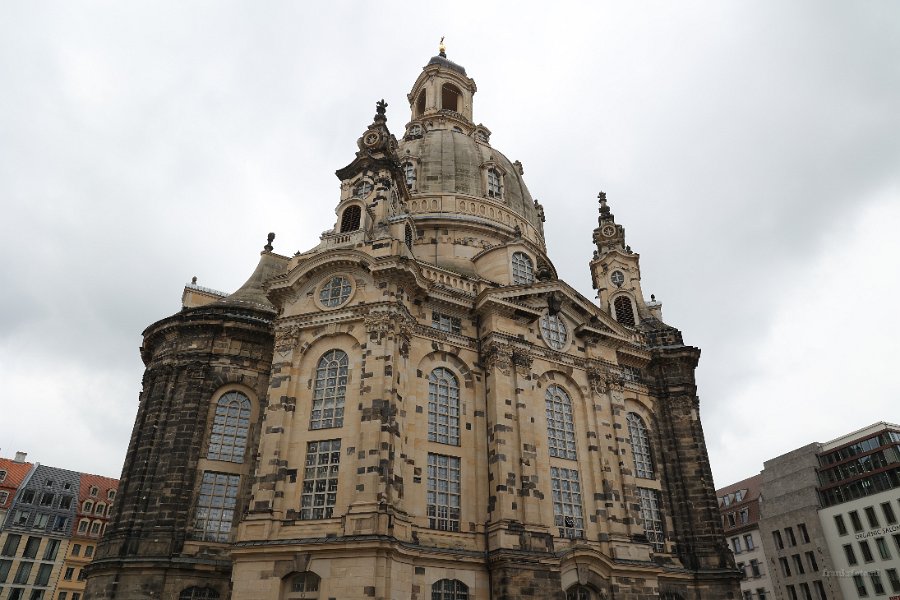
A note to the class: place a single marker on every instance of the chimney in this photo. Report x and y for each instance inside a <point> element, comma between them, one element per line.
<point>20,457</point>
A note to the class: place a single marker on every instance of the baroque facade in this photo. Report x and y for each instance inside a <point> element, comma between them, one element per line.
<point>418,407</point>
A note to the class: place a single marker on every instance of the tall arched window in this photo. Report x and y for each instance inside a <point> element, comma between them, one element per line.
<point>198,593</point>
<point>362,189</point>
<point>560,424</point>
<point>640,446</point>
<point>408,237</point>
<point>449,589</point>
<point>578,592</point>
<point>330,389</point>
<point>420,104</point>
<point>409,173</point>
<point>231,424</point>
<point>494,184</point>
<point>522,269</point>
<point>443,407</point>
<point>351,218</point>
<point>450,97</point>
<point>624,311</point>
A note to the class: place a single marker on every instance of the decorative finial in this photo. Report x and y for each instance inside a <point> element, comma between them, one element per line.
<point>268,247</point>
<point>652,297</point>
<point>381,107</point>
<point>442,49</point>
<point>604,209</point>
<point>194,280</point>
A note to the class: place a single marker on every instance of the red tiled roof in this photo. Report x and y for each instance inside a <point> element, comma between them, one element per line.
<point>15,474</point>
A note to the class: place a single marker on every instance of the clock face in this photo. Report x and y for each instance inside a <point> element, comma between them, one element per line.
<point>618,278</point>
<point>609,230</point>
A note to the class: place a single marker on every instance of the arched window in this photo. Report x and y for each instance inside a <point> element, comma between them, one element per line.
<point>88,506</point>
<point>640,446</point>
<point>522,269</point>
<point>228,439</point>
<point>554,332</point>
<point>449,589</point>
<point>198,593</point>
<point>330,389</point>
<point>624,310</point>
<point>420,104</point>
<point>351,218</point>
<point>362,189</point>
<point>302,585</point>
<point>578,592</point>
<point>408,237</point>
<point>494,184</point>
<point>99,508</point>
<point>450,97</point>
<point>560,424</point>
<point>409,173</point>
<point>443,407</point>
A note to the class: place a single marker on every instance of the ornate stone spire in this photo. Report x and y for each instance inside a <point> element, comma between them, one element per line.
<point>608,235</point>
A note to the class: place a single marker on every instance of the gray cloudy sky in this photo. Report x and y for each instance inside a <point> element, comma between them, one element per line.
<point>751,149</point>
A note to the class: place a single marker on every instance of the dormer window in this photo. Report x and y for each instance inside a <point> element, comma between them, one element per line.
<point>450,97</point>
<point>494,184</point>
<point>362,189</point>
<point>522,269</point>
<point>409,173</point>
<point>350,219</point>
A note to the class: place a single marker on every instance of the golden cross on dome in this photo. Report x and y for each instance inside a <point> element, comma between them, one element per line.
<point>442,49</point>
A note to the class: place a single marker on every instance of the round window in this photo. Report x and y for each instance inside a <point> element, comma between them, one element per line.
<point>336,291</point>
<point>554,331</point>
<point>618,278</point>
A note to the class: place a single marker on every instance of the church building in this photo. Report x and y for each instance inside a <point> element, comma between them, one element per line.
<point>418,407</point>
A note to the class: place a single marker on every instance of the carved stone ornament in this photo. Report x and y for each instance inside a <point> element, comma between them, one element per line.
<point>598,380</point>
<point>522,361</point>
<point>495,356</point>
<point>287,338</point>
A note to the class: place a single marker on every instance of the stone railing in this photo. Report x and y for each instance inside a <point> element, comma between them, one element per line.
<point>451,280</point>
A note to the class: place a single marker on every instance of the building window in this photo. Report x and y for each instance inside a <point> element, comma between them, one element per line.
<point>40,521</point>
<point>820,590</point>
<point>65,502</point>
<point>100,509</point>
<point>94,490</point>
<point>776,537</point>
<point>754,568</point>
<point>31,547</point>
<point>95,528</point>
<point>70,572</point>
<point>47,499</point>
<point>231,424</point>
<point>640,446</point>
<point>15,594</point>
<point>51,549</point>
<point>841,526</point>
<point>83,525</point>
<point>882,548</point>
<point>27,497</point>
<point>351,218</point>
<point>11,544</point>
<point>408,237</point>
<point>494,184</point>
<point>320,479</point>
<point>409,173</point>
<point>811,559</point>
<point>444,493</point>
<point>579,592</point>
<point>785,566</point>
<point>330,390</point>
<point>855,520</point>
<point>443,407</point>
<point>624,311</point>
<point>88,551</point>
<point>420,104</point>
<point>362,189</point>
<point>4,496</point>
<point>5,566</point>
<point>446,323</point>
<point>736,545</point>
<point>748,595</point>
<point>449,589</point>
<point>807,595</point>
<point>894,579</point>
<point>43,574</point>
<point>748,541</point>
<point>860,586</point>
<point>554,331</point>
<point>560,423</point>
<point>850,554</point>
<point>198,593</point>
<point>2,475</point>
<point>886,508</point>
<point>798,564</point>
<point>761,594</point>
<point>87,507</point>
<point>801,527</point>
<point>522,269</point>
<point>866,551</point>
<point>652,517</point>
<point>335,292</point>
<point>567,502</point>
<point>303,584</point>
<point>111,494</point>
<point>871,517</point>
<point>215,506</point>
<point>450,97</point>
<point>23,572</point>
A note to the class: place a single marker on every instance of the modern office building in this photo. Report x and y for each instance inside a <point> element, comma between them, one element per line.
<point>418,407</point>
<point>739,504</point>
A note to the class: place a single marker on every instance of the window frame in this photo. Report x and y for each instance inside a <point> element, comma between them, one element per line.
<point>221,422</point>
<point>444,407</point>
<point>329,401</point>
<point>522,270</point>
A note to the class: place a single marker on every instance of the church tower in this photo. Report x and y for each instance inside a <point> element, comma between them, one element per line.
<point>418,407</point>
